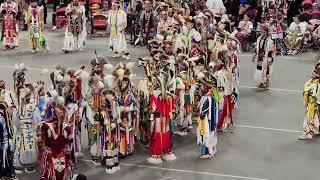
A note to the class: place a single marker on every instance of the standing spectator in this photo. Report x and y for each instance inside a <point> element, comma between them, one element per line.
<point>57,4</point>
<point>232,7</point>
<point>295,7</point>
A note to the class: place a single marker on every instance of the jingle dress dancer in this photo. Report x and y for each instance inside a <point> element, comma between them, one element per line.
<point>35,25</point>
<point>9,34</point>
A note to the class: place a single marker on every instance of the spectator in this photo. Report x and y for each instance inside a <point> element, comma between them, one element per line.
<point>295,7</point>
<point>244,30</point>
<point>57,4</point>
<point>295,35</point>
<point>315,37</point>
<point>232,7</point>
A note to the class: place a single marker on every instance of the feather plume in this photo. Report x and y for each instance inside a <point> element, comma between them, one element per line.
<point>84,76</point>
<point>193,59</point>
<point>159,37</point>
<point>101,84</point>
<point>130,65</point>
<point>59,78</point>
<point>197,36</point>
<point>53,93</point>
<point>120,72</point>
<point>169,38</point>
<point>212,64</point>
<point>108,80</point>
<point>108,66</point>
<point>200,75</point>
<point>16,66</point>
<point>77,72</point>
<point>60,100</point>
<point>66,78</point>
<point>223,48</point>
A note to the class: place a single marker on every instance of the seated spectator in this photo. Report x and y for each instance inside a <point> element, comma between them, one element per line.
<point>315,37</point>
<point>243,32</point>
<point>295,36</point>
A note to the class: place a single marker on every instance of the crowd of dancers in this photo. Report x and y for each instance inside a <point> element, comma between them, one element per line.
<point>191,73</point>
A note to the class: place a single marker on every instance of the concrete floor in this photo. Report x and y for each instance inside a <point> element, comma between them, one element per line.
<point>262,145</point>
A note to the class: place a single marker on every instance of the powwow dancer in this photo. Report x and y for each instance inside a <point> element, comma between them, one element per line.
<point>81,78</point>
<point>225,83</point>
<point>125,94</point>
<point>74,37</point>
<point>233,56</point>
<point>144,92</point>
<point>29,116</point>
<point>311,93</point>
<point>209,109</point>
<point>264,55</point>
<point>7,115</point>
<point>73,96</point>
<point>57,78</point>
<point>162,108</point>
<point>185,92</point>
<point>9,35</point>
<point>35,25</point>
<point>117,21</point>
<point>110,132</point>
<point>56,143</point>
<point>96,86</point>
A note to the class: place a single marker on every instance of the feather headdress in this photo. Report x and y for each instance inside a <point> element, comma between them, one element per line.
<point>206,78</point>
<point>123,70</point>
<point>19,75</point>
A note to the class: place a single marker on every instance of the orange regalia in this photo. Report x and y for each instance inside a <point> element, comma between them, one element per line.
<point>110,134</point>
<point>124,89</point>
